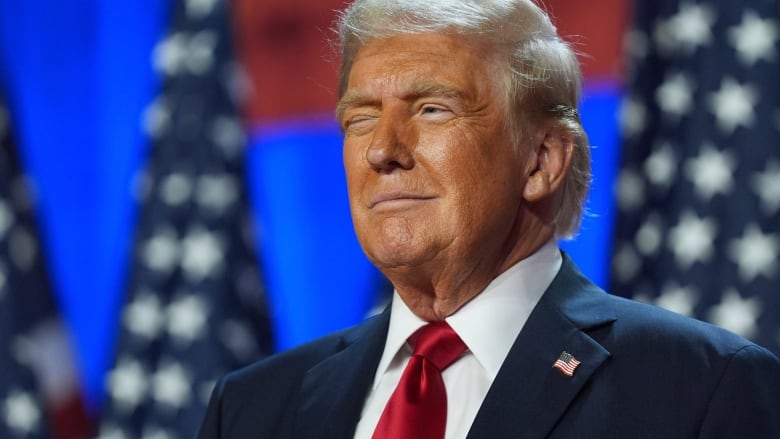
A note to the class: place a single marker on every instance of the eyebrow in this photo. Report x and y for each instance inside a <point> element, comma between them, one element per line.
<point>418,90</point>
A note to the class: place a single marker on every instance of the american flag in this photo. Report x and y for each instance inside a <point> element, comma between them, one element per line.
<point>39,391</point>
<point>21,405</point>
<point>566,363</point>
<point>699,190</point>
<point>195,306</point>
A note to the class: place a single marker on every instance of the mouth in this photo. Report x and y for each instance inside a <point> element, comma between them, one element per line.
<point>396,200</point>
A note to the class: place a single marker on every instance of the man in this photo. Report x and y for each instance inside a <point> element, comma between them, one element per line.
<point>465,161</point>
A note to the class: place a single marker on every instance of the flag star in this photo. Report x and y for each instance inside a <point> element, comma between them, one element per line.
<point>175,189</point>
<point>691,240</point>
<point>144,316</point>
<point>754,38</point>
<point>630,190</point>
<point>687,30</point>
<point>661,166</point>
<point>156,117</point>
<point>127,384</point>
<point>649,236</point>
<point>228,134</point>
<point>677,298</point>
<point>200,52</point>
<point>161,252</point>
<point>200,8</point>
<point>187,317</point>
<point>626,263</point>
<point>733,105</point>
<point>111,431</point>
<point>169,54</point>
<point>633,116</point>
<point>6,218</point>
<point>755,253</point>
<point>155,432</point>
<point>675,95</point>
<point>202,254</point>
<point>736,314</point>
<point>21,412</point>
<point>711,172</point>
<point>766,185</point>
<point>217,192</point>
<point>171,385</point>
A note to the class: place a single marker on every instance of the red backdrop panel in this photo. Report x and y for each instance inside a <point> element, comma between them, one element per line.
<point>595,30</point>
<point>284,47</point>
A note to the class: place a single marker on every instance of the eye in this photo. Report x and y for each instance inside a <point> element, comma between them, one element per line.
<point>435,112</point>
<point>432,109</point>
<point>358,122</point>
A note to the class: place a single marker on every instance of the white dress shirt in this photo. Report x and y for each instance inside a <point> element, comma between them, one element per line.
<point>488,325</point>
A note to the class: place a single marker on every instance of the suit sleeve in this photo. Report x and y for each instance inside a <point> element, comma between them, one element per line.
<point>746,402</point>
<point>211,426</point>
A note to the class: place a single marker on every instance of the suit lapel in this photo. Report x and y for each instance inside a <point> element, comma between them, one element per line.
<point>528,395</point>
<point>333,392</point>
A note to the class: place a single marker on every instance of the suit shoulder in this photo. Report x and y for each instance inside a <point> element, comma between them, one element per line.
<point>656,327</point>
<point>293,362</point>
<point>270,386</point>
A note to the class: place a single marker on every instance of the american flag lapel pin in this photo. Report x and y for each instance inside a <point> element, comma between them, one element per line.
<point>566,363</point>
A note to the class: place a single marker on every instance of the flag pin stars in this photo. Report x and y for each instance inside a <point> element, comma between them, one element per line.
<point>566,363</point>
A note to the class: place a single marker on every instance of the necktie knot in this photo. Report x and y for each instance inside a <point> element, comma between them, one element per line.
<point>438,343</point>
<point>418,406</point>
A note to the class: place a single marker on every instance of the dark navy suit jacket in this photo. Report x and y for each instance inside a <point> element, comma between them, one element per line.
<point>644,373</point>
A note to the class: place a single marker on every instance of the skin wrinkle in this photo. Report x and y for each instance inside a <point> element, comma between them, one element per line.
<point>424,119</point>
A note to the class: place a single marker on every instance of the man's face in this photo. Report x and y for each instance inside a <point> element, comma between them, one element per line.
<point>434,179</point>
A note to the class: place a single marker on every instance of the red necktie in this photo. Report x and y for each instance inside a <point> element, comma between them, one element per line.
<point>418,406</point>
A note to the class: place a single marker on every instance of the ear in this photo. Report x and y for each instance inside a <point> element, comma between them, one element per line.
<point>550,161</point>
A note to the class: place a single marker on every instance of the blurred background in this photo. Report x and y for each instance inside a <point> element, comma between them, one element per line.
<point>173,204</point>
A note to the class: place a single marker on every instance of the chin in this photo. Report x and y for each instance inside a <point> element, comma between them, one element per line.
<point>389,259</point>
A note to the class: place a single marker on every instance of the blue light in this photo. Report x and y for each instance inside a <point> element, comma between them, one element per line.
<point>591,248</point>
<point>317,277</point>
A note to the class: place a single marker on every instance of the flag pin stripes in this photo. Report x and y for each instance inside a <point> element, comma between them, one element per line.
<point>566,363</point>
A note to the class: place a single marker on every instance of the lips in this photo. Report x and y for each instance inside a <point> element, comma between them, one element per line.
<point>396,198</point>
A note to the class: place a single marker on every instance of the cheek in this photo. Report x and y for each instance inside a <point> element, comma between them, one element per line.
<point>472,164</point>
<point>352,166</point>
<point>489,182</point>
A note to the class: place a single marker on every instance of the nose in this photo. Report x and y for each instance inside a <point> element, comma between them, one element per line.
<point>391,145</point>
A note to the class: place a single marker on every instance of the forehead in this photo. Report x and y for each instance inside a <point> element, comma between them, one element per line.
<point>396,62</point>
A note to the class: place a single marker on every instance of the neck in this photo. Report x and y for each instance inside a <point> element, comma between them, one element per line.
<point>436,292</point>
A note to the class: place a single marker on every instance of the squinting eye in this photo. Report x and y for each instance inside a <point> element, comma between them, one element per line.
<point>429,109</point>
<point>358,122</point>
<point>435,113</point>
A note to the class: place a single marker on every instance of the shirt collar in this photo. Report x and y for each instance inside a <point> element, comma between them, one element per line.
<point>489,323</point>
